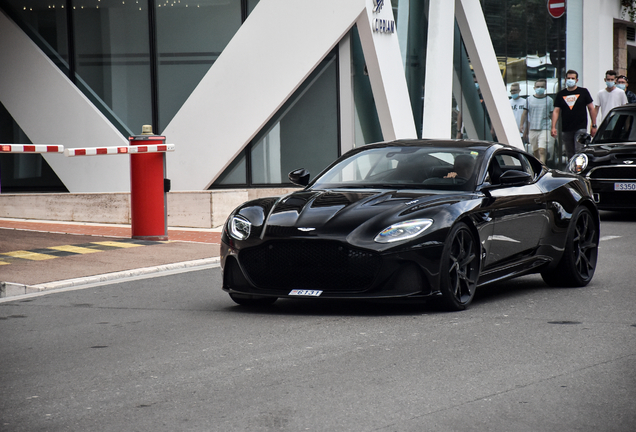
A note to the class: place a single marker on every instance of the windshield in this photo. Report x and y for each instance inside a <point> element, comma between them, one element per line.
<point>618,127</point>
<point>440,168</point>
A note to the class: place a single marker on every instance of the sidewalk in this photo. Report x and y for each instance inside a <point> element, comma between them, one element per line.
<point>42,255</point>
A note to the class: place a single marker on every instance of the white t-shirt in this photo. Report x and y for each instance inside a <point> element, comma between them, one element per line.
<point>608,100</point>
<point>518,106</point>
<point>539,112</point>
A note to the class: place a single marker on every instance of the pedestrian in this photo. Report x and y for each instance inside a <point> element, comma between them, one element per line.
<point>518,105</point>
<point>609,97</point>
<point>622,83</point>
<point>571,103</point>
<point>537,120</point>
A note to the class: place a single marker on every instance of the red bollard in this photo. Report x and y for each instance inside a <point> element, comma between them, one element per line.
<point>148,209</point>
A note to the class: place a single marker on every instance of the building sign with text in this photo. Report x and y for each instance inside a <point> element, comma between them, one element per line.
<point>380,25</point>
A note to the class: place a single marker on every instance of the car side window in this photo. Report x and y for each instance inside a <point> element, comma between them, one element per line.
<point>507,161</point>
<point>619,127</point>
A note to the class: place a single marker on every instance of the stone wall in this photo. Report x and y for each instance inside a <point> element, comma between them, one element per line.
<point>196,209</point>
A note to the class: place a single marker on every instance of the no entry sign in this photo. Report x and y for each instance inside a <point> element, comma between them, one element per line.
<point>556,8</point>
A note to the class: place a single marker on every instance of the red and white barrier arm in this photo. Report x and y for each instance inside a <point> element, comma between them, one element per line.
<point>94,151</point>
<point>31,148</point>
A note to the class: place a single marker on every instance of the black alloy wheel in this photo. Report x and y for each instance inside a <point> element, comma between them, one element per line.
<point>459,268</point>
<point>578,263</point>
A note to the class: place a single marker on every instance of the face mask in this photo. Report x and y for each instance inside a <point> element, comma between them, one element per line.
<point>621,86</point>
<point>609,84</point>
<point>539,91</point>
<point>477,86</point>
<point>515,95</point>
<point>570,83</point>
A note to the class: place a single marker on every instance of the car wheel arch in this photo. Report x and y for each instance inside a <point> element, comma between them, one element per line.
<point>473,229</point>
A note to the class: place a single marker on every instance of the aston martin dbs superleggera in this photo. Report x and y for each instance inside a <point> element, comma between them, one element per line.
<point>413,219</point>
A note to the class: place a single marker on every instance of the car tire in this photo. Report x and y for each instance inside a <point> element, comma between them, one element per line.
<point>578,262</point>
<point>252,300</point>
<point>459,269</point>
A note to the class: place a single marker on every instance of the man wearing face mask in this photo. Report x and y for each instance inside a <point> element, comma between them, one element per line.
<point>540,108</point>
<point>518,105</point>
<point>609,97</point>
<point>622,83</point>
<point>572,102</point>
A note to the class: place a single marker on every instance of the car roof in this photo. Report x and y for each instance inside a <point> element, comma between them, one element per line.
<point>449,143</point>
<point>626,107</point>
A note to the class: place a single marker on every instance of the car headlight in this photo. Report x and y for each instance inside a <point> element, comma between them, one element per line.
<point>240,227</point>
<point>403,230</point>
<point>578,163</point>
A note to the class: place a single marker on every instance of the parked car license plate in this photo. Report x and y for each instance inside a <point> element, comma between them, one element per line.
<point>310,293</point>
<point>625,186</point>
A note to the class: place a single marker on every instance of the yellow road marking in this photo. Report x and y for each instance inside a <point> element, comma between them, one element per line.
<point>117,244</point>
<point>29,255</point>
<point>75,249</point>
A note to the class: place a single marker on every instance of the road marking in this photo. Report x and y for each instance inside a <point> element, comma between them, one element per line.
<point>609,237</point>
<point>48,253</point>
<point>27,255</point>
<point>117,244</point>
<point>74,249</point>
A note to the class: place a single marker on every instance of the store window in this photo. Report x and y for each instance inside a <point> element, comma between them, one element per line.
<point>23,172</point>
<point>367,122</point>
<point>46,23</point>
<point>304,133</point>
<point>112,56</point>
<point>530,47</point>
<point>412,20</point>
<point>190,37</point>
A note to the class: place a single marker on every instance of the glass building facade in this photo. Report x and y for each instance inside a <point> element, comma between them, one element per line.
<point>139,60</point>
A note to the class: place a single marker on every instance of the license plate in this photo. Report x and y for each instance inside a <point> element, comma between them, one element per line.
<point>625,186</point>
<point>310,293</point>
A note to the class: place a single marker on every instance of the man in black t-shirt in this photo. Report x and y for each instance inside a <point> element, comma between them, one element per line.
<point>573,102</point>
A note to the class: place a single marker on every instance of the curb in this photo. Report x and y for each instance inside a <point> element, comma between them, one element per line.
<point>11,289</point>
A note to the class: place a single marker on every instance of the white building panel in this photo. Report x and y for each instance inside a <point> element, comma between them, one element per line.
<point>50,109</point>
<point>273,52</point>
<point>474,30</point>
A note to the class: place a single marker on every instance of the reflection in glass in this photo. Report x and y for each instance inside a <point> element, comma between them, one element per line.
<point>46,24</point>
<point>472,120</point>
<point>112,56</point>
<point>190,37</point>
<point>367,127</point>
<point>415,13</point>
<point>306,133</point>
<point>23,172</point>
<point>236,173</point>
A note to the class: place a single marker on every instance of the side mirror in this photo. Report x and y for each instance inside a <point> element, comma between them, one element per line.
<point>515,177</point>
<point>584,139</point>
<point>299,177</point>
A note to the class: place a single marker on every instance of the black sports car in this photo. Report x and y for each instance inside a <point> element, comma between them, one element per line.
<point>609,160</point>
<point>413,219</point>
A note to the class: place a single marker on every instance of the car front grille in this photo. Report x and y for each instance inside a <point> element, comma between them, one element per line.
<point>616,200</point>
<point>310,264</point>
<point>614,172</point>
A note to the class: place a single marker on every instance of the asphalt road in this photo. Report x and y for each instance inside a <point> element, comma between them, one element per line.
<point>174,353</point>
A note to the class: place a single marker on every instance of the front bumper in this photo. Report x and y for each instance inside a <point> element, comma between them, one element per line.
<point>339,271</point>
<point>607,198</point>
<point>604,179</point>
